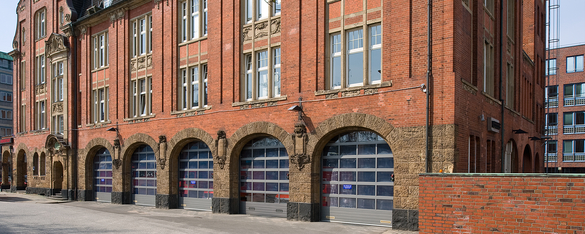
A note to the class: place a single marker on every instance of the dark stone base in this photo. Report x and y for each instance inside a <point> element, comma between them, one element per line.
<point>225,205</point>
<point>307,212</point>
<point>13,189</point>
<point>39,191</point>
<point>5,186</point>
<point>70,193</point>
<point>174,201</point>
<point>19,188</point>
<point>85,195</point>
<point>162,201</point>
<point>405,220</point>
<point>121,198</point>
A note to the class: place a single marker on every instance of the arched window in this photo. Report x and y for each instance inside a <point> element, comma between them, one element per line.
<point>35,164</point>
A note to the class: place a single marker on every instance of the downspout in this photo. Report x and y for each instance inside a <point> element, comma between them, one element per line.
<point>75,93</point>
<point>503,149</point>
<point>428,88</point>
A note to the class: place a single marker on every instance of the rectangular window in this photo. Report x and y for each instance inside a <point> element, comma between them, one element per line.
<point>261,9</point>
<point>573,150</point>
<point>511,18</point>
<point>23,75</point>
<point>57,81</point>
<point>262,74</point>
<point>249,74</point>
<point>335,72</point>
<point>276,71</point>
<point>375,54</point>
<point>551,67</point>
<point>195,87</point>
<point>488,69</point>
<point>58,124</point>
<point>510,87</point>
<point>41,69</point>
<point>574,122</point>
<point>489,6</point>
<point>204,78</point>
<point>193,95</point>
<point>142,97</point>
<point>142,35</point>
<point>575,64</point>
<point>41,24</point>
<point>355,58</point>
<point>193,19</point>
<point>40,115</point>
<point>574,94</point>
<point>551,119</point>
<point>100,50</point>
<point>22,125</point>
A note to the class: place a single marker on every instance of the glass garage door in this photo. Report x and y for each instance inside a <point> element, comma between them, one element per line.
<point>264,178</point>
<point>144,176</point>
<point>356,180</point>
<point>196,177</point>
<point>102,168</point>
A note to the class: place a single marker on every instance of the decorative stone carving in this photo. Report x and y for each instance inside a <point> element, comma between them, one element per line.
<point>257,105</point>
<point>162,139</point>
<point>82,31</point>
<point>133,65</point>
<point>40,89</point>
<point>117,163</point>
<point>275,26</point>
<point>56,43</point>
<point>351,93</point>
<point>57,107</point>
<point>247,33</point>
<point>469,89</point>
<point>67,17</point>
<point>116,143</point>
<point>300,139</point>
<point>14,44</point>
<point>149,60</point>
<point>261,30</point>
<point>370,91</point>
<point>221,145</point>
<point>141,63</point>
<point>162,158</point>
<point>117,15</point>
<point>331,96</point>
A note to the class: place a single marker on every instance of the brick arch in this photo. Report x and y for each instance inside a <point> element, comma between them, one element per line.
<point>131,143</point>
<point>22,151</point>
<point>345,123</point>
<point>91,148</point>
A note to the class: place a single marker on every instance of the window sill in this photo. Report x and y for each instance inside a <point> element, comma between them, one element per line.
<point>99,124</point>
<point>490,98</point>
<point>39,132</point>
<point>469,87</point>
<point>193,40</point>
<point>139,118</point>
<point>191,112</point>
<point>41,38</point>
<point>101,68</point>
<point>259,103</point>
<point>353,91</point>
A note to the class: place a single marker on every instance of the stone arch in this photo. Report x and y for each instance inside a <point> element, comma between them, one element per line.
<point>344,123</point>
<point>131,143</point>
<point>511,161</point>
<point>18,180</point>
<point>177,143</point>
<point>527,160</point>
<point>6,168</point>
<point>91,148</point>
<point>35,164</point>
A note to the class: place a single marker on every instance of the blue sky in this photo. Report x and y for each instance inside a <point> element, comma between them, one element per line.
<point>572,22</point>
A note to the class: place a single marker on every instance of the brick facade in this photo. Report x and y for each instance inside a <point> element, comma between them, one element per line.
<point>394,107</point>
<point>502,203</point>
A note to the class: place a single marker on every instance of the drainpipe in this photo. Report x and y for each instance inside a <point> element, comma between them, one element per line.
<point>503,149</point>
<point>429,74</point>
<point>75,93</point>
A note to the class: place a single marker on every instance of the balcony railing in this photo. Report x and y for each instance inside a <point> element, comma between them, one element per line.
<point>574,129</point>
<point>571,100</point>
<point>551,157</point>
<point>576,157</point>
<point>552,102</point>
<point>551,130</point>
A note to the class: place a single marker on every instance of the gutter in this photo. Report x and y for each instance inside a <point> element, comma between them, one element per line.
<point>503,149</point>
<point>429,74</point>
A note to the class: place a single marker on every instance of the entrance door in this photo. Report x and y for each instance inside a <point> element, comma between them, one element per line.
<point>102,172</point>
<point>144,176</point>
<point>196,177</point>
<point>57,177</point>
<point>264,178</point>
<point>357,184</point>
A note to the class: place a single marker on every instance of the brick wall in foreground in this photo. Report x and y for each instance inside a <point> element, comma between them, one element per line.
<point>502,203</point>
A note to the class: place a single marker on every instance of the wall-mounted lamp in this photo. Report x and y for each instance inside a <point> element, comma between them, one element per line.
<point>519,131</point>
<point>298,108</point>
<point>112,129</point>
<point>534,138</point>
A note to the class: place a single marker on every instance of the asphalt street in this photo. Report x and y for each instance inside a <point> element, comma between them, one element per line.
<point>25,213</point>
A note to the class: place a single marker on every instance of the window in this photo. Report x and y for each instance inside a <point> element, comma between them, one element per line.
<point>574,94</point>
<point>22,124</point>
<point>141,97</point>
<point>23,36</point>
<point>5,131</point>
<point>510,87</point>
<point>575,64</point>
<point>40,69</point>
<point>573,150</point>
<point>5,96</point>
<point>489,6</point>
<point>574,122</point>
<point>355,55</point>
<point>141,35</point>
<point>6,79</point>
<point>61,17</point>
<point>100,104</point>
<point>58,81</point>
<point>100,50</point>
<point>262,74</point>
<point>551,119</point>
<point>193,19</point>
<point>261,9</point>
<point>192,95</point>
<point>5,114</point>
<point>40,23</point>
<point>488,69</point>
<point>23,75</point>
<point>58,125</point>
<point>511,18</point>
<point>551,67</point>
<point>40,115</point>
<point>551,151</point>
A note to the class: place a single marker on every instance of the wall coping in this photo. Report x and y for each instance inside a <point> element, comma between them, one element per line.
<point>503,175</point>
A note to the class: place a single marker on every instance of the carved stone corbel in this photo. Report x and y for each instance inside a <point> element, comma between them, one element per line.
<point>162,157</point>
<point>117,163</point>
<point>300,139</point>
<point>221,144</point>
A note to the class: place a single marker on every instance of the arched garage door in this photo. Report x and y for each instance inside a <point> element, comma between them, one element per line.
<point>357,184</point>
<point>264,178</point>
<point>144,176</point>
<point>102,171</point>
<point>196,177</point>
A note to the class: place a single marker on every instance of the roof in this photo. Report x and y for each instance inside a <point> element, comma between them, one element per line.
<point>5,56</point>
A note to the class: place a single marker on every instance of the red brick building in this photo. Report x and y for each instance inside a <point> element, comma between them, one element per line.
<point>202,104</point>
<point>564,116</point>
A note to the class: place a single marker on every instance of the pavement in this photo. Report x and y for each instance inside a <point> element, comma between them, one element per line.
<point>27,213</point>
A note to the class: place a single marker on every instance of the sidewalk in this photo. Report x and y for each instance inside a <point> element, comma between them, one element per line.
<point>25,213</point>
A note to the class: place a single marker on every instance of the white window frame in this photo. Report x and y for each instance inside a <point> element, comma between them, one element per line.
<point>141,35</point>
<point>253,68</point>
<point>58,88</point>
<point>41,23</point>
<point>374,47</point>
<point>262,61</point>
<point>141,97</point>
<point>276,72</point>
<point>193,22</point>
<point>256,10</point>
<point>575,61</point>
<point>100,50</point>
<point>551,67</point>
<point>193,87</point>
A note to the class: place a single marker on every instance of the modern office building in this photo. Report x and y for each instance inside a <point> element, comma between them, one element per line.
<point>309,110</point>
<point>565,115</point>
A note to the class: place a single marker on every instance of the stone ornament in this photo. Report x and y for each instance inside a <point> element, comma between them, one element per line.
<point>56,43</point>
<point>300,139</point>
<point>221,144</point>
<point>162,158</point>
<point>57,107</point>
<point>275,26</point>
<point>117,163</point>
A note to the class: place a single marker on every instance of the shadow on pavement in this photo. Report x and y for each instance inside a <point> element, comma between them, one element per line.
<point>12,199</point>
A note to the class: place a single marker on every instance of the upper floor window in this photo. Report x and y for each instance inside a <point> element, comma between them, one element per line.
<point>40,69</point>
<point>488,69</point>
<point>40,23</point>
<point>262,74</point>
<point>573,122</point>
<point>5,96</point>
<point>193,92</point>
<point>551,67</point>
<point>40,115</point>
<point>100,50</point>
<point>511,19</point>
<point>575,64</point>
<point>355,51</point>
<point>100,104</point>
<point>489,5</point>
<point>141,35</point>
<point>573,150</point>
<point>57,81</point>
<point>574,94</point>
<point>6,79</point>
<point>551,119</point>
<point>261,9</point>
<point>193,19</point>
<point>141,97</point>
<point>552,94</point>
